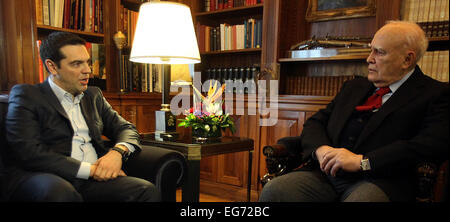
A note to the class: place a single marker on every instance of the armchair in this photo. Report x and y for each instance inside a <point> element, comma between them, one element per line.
<point>286,156</point>
<point>164,168</point>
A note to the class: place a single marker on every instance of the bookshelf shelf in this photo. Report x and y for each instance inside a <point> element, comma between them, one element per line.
<point>438,43</point>
<point>236,11</point>
<point>133,5</point>
<point>89,35</point>
<point>361,56</point>
<point>240,51</point>
<point>439,39</point>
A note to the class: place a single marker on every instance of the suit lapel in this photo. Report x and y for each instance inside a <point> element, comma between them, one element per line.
<point>52,99</point>
<point>356,97</point>
<point>87,109</point>
<point>407,91</point>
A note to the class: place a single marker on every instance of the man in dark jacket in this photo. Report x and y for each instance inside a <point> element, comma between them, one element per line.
<point>54,131</point>
<point>368,141</point>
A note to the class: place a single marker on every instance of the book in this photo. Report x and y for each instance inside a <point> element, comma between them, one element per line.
<point>45,12</point>
<point>431,15</point>
<point>39,16</point>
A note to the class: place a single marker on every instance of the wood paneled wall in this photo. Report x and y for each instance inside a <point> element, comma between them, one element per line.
<point>19,63</point>
<point>227,174</point>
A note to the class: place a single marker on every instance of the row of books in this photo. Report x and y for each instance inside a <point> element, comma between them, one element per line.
<point>435,65</point>
<point>214,5</point>
<point>315,85</point>
<point>84,15</point>
<point>140,77</point>
<point>431,15</point>
<point>230,37</point>
<point>98,62</point>
<point>127,23</point>
<point>234,74</point>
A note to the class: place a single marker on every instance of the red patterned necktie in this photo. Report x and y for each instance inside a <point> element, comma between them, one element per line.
<point>374,101</point>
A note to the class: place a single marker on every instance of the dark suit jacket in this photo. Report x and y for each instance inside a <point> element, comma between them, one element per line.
<point>412,126</point>
<point>39,133</point>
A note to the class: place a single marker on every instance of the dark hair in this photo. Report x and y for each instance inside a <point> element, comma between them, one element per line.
<point>50,47</point>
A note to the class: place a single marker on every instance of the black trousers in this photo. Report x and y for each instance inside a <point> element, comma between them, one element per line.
<point>45,187</point>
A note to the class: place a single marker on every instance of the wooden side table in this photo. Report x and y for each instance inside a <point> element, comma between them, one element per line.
<point>194,153</point>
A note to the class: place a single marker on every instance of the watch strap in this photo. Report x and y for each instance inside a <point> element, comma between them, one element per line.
<point>122,152</point>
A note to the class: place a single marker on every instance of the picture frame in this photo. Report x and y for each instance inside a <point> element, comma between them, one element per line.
<point>325,10</point>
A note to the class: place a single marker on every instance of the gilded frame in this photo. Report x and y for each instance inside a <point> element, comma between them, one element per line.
<point>314,15</point>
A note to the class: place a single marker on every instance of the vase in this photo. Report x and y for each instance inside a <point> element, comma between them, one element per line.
<point>201,135</point>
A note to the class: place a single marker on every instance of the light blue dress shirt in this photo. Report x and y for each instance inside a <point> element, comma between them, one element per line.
<point>82,148</point>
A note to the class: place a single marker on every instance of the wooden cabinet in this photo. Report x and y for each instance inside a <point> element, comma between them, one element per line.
<point>138,108</point>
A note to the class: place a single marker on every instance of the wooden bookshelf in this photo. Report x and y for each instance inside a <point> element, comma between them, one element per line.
<point>433,17</point>
<point>246,57</point>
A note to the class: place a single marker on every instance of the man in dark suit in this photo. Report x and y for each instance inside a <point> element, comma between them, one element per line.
<point>365,146</point>
<point>54,131</point>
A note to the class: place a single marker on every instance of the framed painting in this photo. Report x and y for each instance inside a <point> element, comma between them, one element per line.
<point>324,10</point>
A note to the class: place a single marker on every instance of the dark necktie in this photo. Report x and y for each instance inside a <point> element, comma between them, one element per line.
<point>374,101</point>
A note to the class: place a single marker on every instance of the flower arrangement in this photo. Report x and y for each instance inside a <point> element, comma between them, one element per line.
<point>208,121</point>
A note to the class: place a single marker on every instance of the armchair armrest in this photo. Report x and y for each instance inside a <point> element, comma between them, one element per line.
<point>163,167</point>
<point>282,158</point>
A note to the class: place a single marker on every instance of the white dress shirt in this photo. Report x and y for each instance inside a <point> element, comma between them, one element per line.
<point>394,86</point>
<point>82,148</point>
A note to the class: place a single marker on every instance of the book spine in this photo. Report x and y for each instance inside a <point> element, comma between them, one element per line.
<point>45,12</point>
<point>39,16</point>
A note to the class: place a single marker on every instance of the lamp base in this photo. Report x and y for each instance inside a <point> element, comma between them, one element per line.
<point>165,120</point>
<point>166,136</point>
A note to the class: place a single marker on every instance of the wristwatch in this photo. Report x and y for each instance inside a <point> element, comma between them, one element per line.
<point>122,152</point>
<point>365,164</point>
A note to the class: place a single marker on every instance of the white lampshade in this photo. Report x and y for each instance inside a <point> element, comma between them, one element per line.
<point>165,35</point>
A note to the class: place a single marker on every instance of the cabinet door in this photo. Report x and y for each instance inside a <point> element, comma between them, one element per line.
<point>226,168</point>
<point>291,117</point>
<point>208,168</point>
<point>232,169</point>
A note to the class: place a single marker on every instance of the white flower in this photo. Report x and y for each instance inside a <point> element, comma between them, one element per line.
<point>214,108</point>
<point>207,128</point>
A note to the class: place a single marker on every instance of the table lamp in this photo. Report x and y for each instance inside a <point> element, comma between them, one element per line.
<point>165,35</point>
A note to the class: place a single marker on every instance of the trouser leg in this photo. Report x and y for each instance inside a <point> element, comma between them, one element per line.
<point>299,186</point>
<point>45,187</point>
<point>123,189</point>
<point>364,191</point>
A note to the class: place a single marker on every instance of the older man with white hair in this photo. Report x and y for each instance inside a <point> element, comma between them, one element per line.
<point>366,144</point>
